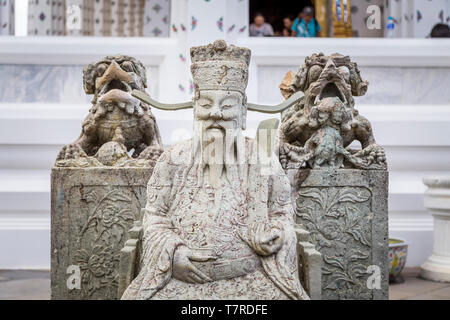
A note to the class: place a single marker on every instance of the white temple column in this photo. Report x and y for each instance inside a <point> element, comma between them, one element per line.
<point>7,17</point>
<point>437,201</point>
<point>416,18</point>
<point>194,23</point>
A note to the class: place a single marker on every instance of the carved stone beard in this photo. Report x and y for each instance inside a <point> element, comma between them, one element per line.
<point>219,149</point>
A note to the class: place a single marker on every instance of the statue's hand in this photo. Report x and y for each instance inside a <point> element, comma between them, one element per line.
<point>266,239</point>
<point>184,270</point>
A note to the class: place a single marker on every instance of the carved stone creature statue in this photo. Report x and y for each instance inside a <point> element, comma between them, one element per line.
<point>117,122</point>
<point>323,77</point>
<point>325,147</point>
<point>214,226</point>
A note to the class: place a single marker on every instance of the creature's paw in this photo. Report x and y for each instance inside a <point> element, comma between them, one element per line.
<point>371,157</point>
<point>292,157</point>
<point>374,154</point>
<point>71,151</point>
<point>151,153</point>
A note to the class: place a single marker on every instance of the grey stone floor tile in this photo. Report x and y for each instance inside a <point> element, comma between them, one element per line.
<point>416,288</point>
<point>28,289</point>
<point>32,285</point>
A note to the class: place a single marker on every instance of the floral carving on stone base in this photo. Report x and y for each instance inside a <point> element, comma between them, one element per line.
<point>339,220</point>
<point>109,216</point>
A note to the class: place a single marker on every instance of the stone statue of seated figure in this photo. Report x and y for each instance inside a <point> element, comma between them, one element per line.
<point>215,226</point>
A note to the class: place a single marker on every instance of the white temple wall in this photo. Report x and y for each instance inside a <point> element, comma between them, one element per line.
<point>408,104</point>
<point>42,105</point>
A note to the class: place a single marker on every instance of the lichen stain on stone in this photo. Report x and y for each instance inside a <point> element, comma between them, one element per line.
<point>60,208</point>
<point>223,74</point>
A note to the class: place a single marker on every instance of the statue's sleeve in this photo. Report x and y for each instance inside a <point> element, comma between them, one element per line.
<point>159,241</point>
<point>282,267</point>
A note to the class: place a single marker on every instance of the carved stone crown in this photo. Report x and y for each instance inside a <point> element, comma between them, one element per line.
<point>220,67</point>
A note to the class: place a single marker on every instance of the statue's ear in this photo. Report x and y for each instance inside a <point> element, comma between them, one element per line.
<point>244,113</point>
<point>314,117</point>
<point>286,85</point>
<point>346,124</point>
<point>140,69</point>
<point>359,86</point>
<point>300,82</point>
<point>89,76</point>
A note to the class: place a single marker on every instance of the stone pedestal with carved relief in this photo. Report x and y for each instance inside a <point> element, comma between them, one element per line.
<point>346,213</point>
<point>92,210</point>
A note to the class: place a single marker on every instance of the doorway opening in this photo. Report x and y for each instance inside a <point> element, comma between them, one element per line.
<point>275,11</point>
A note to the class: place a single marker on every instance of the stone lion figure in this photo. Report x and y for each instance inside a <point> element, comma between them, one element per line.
<point>322,78</point>
<point>117,124</point>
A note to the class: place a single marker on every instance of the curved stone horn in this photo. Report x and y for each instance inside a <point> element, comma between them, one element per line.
<point>158,105</point>
<point>190,104</point>
<point>276,108</point>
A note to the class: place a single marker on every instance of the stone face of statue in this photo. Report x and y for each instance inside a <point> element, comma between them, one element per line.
<point>219,119</point>
<point>215,227</point>
<point>220,108</point>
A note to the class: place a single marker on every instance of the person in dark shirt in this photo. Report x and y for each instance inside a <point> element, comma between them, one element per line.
<point>287,26</point>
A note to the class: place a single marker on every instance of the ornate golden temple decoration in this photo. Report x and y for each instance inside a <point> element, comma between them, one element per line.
<point>321,9</point>
<point>342,21</point>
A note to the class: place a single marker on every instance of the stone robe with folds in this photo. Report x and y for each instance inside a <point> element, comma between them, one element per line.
<point>183,209</point>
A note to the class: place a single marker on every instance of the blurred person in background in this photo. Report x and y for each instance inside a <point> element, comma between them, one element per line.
<point>306,25</point>
<point>259,28</point>
<point>440,30</point>
<point>287,26</point>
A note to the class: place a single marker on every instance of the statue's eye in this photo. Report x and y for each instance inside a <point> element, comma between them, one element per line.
<point>345,72</point>
<point>204,104</point>
<point>314,73</point>
<point>101,69</point>
<point>127,66</point>
<point>228,103</point>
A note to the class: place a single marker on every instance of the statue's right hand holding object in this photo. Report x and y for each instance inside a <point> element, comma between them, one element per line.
<point>265,238</point>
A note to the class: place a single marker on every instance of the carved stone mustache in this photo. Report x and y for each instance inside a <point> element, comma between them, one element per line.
<point>219,124</point>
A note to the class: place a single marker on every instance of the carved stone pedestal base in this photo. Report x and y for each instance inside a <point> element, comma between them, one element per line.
<point>437,201</point>
<point>346,214</point>
<point>92,210</point>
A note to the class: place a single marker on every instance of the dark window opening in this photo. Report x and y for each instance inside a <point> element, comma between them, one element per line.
<point>274,11</point>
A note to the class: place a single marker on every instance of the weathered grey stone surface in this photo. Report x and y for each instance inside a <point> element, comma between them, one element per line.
<point>92,210</point>
<point>99,181</point>
<point>339,193</point>
<point>317,131</point>
<point>310,264</point>
<point>119,130</point>
<point>346,213</point>
<point>215,226</point>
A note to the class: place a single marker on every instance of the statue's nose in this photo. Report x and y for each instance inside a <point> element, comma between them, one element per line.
<point>330,70</point>
<point>215,113</point>
<point>330,65</point>
<point>114,72</point>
